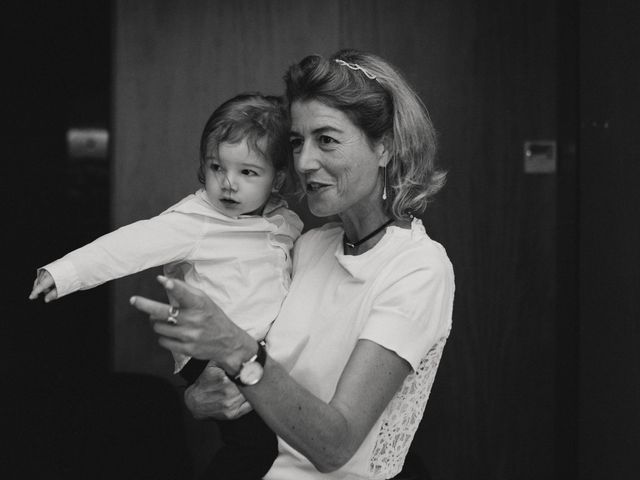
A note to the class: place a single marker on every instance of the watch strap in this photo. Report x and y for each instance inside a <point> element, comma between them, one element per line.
<point>192,370</point>
<point>260,357</point>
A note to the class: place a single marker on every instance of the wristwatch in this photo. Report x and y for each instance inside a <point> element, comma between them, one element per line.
<point>251,371</point>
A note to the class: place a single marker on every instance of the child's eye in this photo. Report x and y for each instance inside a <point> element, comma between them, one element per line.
<point>214,167</point>
<point>296,144</point>
<point>250,173</point>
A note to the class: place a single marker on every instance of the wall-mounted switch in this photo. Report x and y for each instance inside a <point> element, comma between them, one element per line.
<point>87,143</point>
<point>540,156</point>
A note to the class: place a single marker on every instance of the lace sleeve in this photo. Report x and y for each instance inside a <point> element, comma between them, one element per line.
<point>401,418</point>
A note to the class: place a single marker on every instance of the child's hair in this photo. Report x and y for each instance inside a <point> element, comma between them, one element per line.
<point>251,117</point>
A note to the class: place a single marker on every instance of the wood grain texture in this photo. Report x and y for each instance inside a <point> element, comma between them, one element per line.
<point>609,238</point>
<point>487,76</point>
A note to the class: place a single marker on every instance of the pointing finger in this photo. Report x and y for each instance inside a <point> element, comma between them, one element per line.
<point>37,290</point>
<point>182,293</point>
<point>156,310</point>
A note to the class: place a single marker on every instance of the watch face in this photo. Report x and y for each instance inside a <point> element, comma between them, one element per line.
<point>251,373</point>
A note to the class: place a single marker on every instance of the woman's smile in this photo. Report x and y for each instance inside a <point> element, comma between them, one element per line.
<point>315,186</point>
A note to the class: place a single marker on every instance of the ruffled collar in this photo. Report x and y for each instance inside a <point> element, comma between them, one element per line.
<point>199,204</point>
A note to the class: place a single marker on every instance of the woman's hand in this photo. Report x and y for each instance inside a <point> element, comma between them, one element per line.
<point>196,326</point>
<point>213,395</point>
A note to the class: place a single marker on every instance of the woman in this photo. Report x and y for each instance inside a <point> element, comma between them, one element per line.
<point>354,351</point>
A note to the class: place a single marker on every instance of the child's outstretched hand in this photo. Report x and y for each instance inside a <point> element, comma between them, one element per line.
<point>44,284</point>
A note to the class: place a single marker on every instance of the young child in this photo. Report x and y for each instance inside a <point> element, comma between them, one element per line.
<point>231,239</point>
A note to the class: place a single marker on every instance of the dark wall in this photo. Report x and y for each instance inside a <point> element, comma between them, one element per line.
<point>59,58</point>
<point>59,64</point>
<point>67,415</point>
<point>609,176</point>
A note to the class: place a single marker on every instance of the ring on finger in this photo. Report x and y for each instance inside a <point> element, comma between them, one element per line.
<point>173,314</point>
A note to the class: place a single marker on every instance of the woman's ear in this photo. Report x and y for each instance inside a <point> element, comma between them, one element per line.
<point>382,149</point>
<point>278,181</point>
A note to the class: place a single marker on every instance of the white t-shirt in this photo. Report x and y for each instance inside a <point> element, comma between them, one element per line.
<point>242,263</point>
<point>398,294</point>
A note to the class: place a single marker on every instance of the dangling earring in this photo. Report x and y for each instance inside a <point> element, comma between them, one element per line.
<point>384,189</point>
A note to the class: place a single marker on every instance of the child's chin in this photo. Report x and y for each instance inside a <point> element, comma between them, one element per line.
<point>257,211</point>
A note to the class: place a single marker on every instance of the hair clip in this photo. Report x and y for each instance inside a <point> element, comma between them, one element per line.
<point>355,66</point>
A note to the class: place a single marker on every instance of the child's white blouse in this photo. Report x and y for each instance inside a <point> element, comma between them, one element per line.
<point>243,263</point>
<point>398,294</point>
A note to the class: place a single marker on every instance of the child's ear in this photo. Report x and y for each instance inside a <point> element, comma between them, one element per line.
<point>278,181</point>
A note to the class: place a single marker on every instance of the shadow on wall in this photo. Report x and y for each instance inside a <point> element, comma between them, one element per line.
<point>115,427</point>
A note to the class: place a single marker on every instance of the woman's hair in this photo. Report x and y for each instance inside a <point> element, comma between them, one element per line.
<point>252,117</point>
<point>378,100</point>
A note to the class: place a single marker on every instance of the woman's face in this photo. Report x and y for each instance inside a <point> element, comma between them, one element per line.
<point>337,165</point>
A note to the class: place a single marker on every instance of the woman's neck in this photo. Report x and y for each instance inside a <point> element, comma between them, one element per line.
<point>358,227</point>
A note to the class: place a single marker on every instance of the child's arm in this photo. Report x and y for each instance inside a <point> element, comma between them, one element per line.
<point>130,249</point>
<point>44,284</point>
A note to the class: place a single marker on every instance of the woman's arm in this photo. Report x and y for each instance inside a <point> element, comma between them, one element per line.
<point>328,434</point>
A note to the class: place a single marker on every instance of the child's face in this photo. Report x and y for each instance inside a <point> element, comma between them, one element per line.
<point>238,180</point>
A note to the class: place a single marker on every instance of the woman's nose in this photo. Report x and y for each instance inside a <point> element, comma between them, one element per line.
<point>307,159</point>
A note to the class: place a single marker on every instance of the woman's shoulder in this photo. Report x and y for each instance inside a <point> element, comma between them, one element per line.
<point>414,249</point>
<point>325,233</point>
<point>318,241</point>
